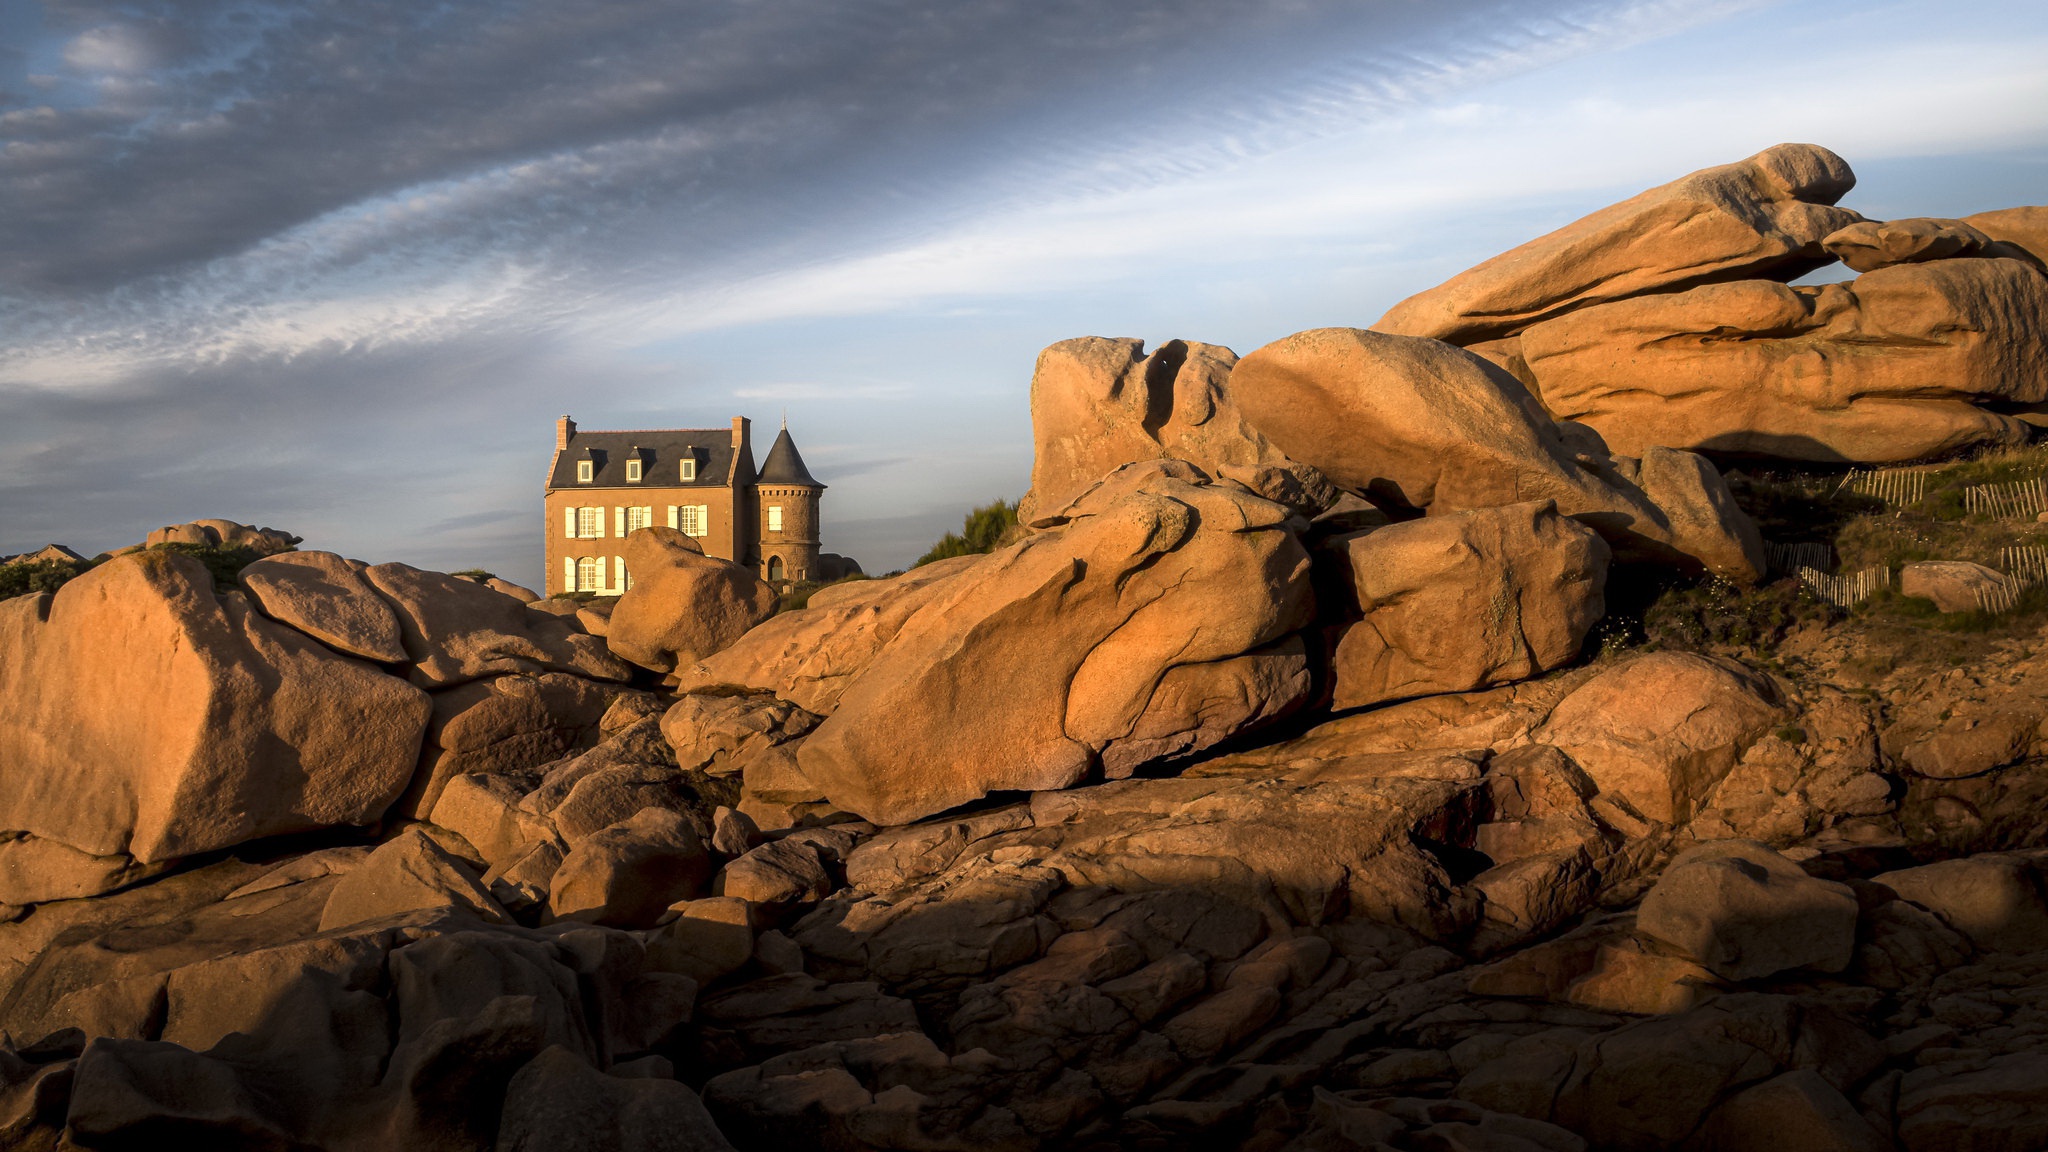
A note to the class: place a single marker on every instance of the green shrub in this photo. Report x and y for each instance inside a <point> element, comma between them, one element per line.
<point>984,530</point>
<point>1714,614</point>
<point>224,561</point>
<point>40,576</point>
<point>476,574</point>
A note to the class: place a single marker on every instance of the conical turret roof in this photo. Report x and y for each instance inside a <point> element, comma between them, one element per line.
<point>785,465</point>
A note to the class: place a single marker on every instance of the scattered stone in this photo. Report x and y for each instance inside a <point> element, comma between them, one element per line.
<point>1953,585</point>
<point>1745,912</point>
<point>683,605</point>
<point>1466,600</point>
<point>628,874</point>
<point>1417,424</point>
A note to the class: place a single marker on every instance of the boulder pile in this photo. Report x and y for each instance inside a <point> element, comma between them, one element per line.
<point>1669,319</point>
<point>1271,792</point>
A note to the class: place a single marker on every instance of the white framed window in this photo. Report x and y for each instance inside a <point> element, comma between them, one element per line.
<point>693,519</point>
<point>589,522</point>
<point>586,471</point>
<point>638,518</point>
<point>632,471</point>
<point>775,517</point>
<point>687,469</point>
<point>589,574</point>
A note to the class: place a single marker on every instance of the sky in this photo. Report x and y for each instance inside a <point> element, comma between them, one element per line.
<point>336,267</point>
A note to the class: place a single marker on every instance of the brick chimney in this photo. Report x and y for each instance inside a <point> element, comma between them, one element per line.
<point>739,431</point>
<point>565,430</point>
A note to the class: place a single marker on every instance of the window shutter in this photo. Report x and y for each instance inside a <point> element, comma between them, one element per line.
<point>619,520</point>
<point>569,523</point>
<point>671,515</point>
<point>703,519</point>
<point>602,579</point>
<point>618,574</point>
<point>568,573</point>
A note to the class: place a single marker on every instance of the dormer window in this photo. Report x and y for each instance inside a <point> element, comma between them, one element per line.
<point>687,469</point>
<point>586,471</point>
<point>632,471</point>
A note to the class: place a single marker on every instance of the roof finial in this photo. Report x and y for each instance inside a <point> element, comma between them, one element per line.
<point>785,419</point>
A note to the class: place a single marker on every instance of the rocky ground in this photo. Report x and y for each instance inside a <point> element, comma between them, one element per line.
<point>1314,773</point>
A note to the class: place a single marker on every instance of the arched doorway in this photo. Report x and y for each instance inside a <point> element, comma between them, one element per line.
<point>774,568</point>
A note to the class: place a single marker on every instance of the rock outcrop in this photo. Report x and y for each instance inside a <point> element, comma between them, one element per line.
<point>1466,600</point>
<point>1667,320</point>
<point>1149,625</point>
<point>1098,404</point>
<point>1418,424</point>
<point>149,716</point>
<point>1894,365</point>
<point>1768,214</point>
<point>683,605</point>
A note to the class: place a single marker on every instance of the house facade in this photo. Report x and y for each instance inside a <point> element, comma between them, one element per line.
<point>700,481</point>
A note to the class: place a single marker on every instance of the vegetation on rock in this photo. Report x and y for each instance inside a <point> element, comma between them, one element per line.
<point>984,530</point>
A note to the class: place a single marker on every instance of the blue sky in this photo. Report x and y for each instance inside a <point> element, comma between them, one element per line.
<point>336,267</point>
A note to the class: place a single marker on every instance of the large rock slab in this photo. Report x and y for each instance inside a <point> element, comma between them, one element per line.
<point>1745,912</point>
<point>1953,585</point>
<point>1131,633</point>
<point>1099,403</point>
<point>1874,244</point>
<point>151,717</point>
<point>1766,215</point>
<point>326,597</point>
<point>683,605</point>
<point>2021,233</point>
<point>1998,900</point>
<point>1418,424</point>
<point>810,656</point>
<point>456,630</point>
<point>1466,600</point>
<point>1891,366</point>
<point>1658,732</point>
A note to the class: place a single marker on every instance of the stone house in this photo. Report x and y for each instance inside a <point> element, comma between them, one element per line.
<point>700,481</point>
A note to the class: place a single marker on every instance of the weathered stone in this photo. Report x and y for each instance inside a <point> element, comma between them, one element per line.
<point>409,873</point>
<point>1417,424</point>
<point>455,631</point>
<point>1466,600</point>
<point>1998,900</point>
<point>151,717</point>
<point>1659,731</point>
<point>2002,1106</point>
<point>506,726</point>
<point>325,597</point>
<point>1869,245</point>
<point>1798,1111</point>
<point>626,875</point>
<point>1056,656</point>
<point>1098,404</point>
<point>559,1103</point>
<point>683,605</point>
<point>1745,912</point>
<point>809,657</point>
<point>724,735</point>
<point>1889,367</point>
<point>1954,585</point>
<point>1766,215</point>
<point>217,533</point>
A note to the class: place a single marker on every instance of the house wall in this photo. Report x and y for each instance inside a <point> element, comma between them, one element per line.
<point>797,542</point>
<point>725,531</point>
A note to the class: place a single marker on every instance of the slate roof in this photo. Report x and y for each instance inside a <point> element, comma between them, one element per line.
<point>785,465</point>
<point>661,450</point>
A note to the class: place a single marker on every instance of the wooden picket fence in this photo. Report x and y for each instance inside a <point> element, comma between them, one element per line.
<point>1848,589</point>
<point>1788,559</point>
<point>2024,564</point>
<point>2019,500</point>
<point>1897,487</point>
<point>1999,598</point>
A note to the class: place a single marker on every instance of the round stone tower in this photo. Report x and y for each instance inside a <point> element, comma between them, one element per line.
<point>786,499</point>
